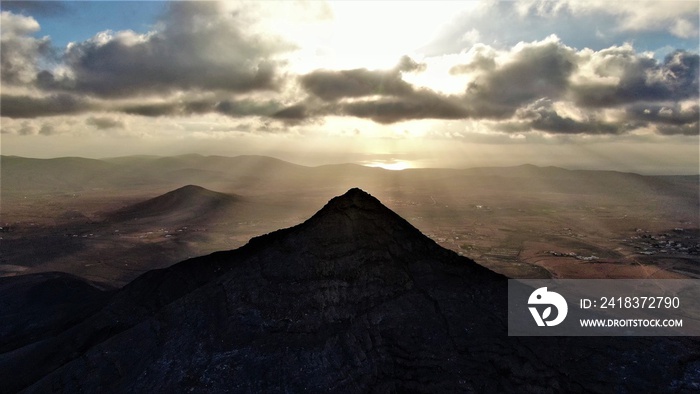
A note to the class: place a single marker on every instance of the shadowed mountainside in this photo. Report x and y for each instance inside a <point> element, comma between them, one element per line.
<point>37,306</point>
<point>355,299</point>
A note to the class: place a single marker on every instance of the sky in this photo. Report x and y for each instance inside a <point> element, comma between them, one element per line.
<point>579,84</point>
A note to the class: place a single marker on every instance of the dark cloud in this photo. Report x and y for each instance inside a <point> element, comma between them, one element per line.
<point>334,85</point>
<point>242,108</point>
<point>542,116</point>
<point>421,104</point>
<point>686,129</point>
<point>672,115</point>
<point>294,113</point>
<point>670,119</point>
<point>681,71</point>
<point>153,109</point>
<point>640,79</point>
<point>409,65</point>
<point>28,129</point>
<point>479,63</point>
<point>105,122</point>
<point>47,129</point>
<point>229,107</point>
<point>22,106</point>
<point>200,47</point>
<point>539,70</point>
<point>482,59</point>
<point>18,106</point>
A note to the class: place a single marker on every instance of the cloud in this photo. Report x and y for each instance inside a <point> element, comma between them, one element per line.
<point>677,17</point>
<point>26,127</point>
<point>47,129</point>
<point>637,78</point>
<point>331,85</point>
<point>409,65</point>
<point>536,70</point>
<point>19,51</point>
<point>105,122</point>
<point>672,114</point>
<point>481,58</point>
<point>153,109</point>
<point>422,104</point>
<point>594,24</point>
<point>242,108</point>
<point>23,106</point>
<point>686,129</point>
<point>199,46</point>
<point>543,116</point>
<point>669,119</point>
<point>294,113</point>
<point>684,28</point>
<point>202,105</point>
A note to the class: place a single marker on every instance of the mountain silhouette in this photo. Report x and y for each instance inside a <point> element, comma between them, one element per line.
<point>354,299</point>
<point>186,203</point>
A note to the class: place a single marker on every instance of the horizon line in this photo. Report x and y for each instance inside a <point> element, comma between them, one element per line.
<point>386,165</point>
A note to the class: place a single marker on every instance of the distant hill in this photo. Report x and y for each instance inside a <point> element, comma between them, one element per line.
<point>189,202</point>
<point>355,299</point>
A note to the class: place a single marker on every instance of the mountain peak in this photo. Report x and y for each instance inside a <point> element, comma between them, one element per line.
<point>355,197</point>
<point>355,223</point>
<point>359,215</point>
<point>189,188</point>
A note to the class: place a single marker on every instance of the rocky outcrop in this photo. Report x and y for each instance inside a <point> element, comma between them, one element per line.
<point>355,299</point>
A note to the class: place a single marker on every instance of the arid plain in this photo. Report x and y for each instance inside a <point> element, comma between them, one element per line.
<point>111,220</point>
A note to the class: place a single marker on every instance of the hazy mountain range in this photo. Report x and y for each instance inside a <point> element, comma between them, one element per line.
<point>21,175</point>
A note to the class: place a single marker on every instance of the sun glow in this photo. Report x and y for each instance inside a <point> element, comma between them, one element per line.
<point>372,35</point>
<point>393,165</point>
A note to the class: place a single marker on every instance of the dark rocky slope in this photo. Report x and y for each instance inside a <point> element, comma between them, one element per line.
<point>353,300</point>
<point>35,306</point>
